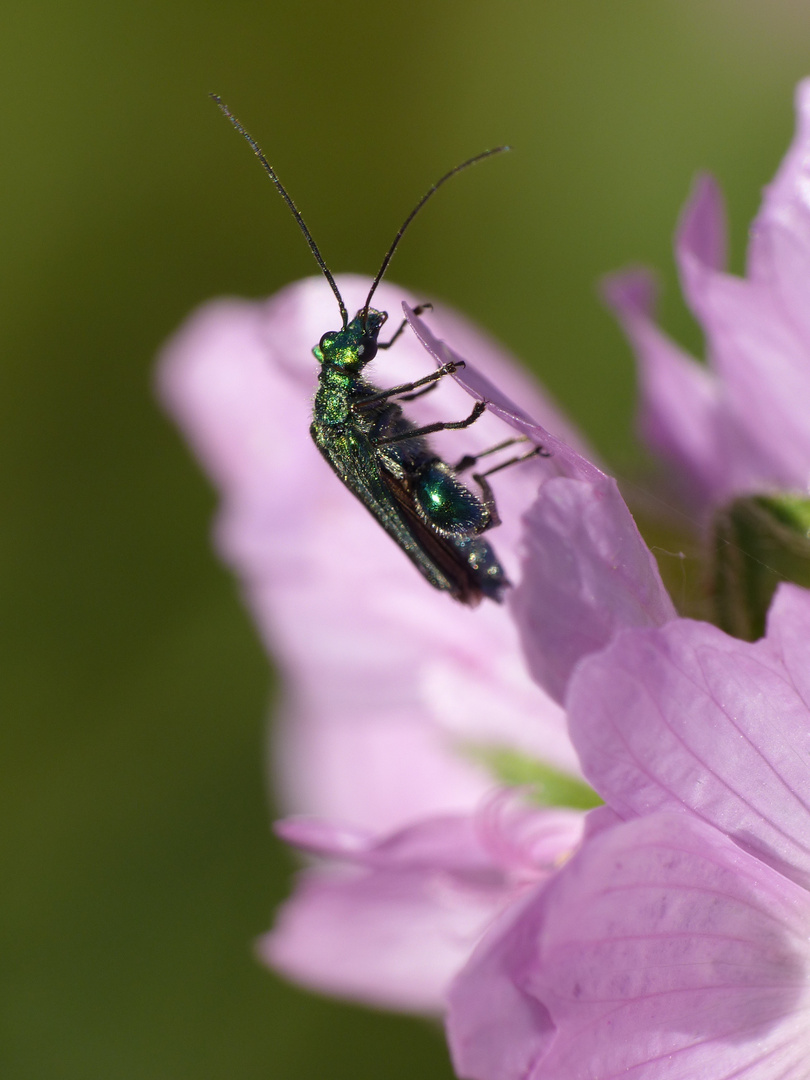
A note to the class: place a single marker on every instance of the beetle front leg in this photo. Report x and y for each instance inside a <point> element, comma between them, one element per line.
<point>406,388</point>
<point>418,310</point>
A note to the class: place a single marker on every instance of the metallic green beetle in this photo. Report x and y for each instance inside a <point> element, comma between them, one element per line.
<point>383,458</point>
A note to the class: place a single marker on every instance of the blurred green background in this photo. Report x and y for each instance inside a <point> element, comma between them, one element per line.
<point>137,861</point>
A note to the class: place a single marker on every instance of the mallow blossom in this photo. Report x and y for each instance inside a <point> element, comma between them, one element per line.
<point>663,936</point>
<point>675,943</point>
<point>402,711</point>
<point>741,424</point>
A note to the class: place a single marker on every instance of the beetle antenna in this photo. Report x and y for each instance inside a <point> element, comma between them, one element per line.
<point>428,194</point>
<point>296,213</point>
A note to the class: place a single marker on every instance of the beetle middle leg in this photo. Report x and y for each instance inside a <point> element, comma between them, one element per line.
<point>429,429</point>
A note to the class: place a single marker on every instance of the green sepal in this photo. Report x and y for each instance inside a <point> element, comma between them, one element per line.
<point>757,541</point>
<point>549,786</point>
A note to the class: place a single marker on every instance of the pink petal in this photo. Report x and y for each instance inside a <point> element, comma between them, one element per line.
<point>373,657</point>
<point>679,397</point>
<point>497,1030</point>
<point>507,833</point>
<point>393,940</point>
<point>779,253</point>
<point>390,920</point>
<point>700,239</point>
<point>685,717</point>
<point>660,952</point>
<point>586,569</point>
<point>788,633</point>
<point>587,573</point>
<point>525,839</point>
<point>702,228</point>
<point>450,844</point>
<point>328,838</point>
<point>758,353</point>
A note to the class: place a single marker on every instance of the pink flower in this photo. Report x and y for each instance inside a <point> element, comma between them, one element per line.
<point>675,943</point>
<point>741,424</point>
<point>400,705</point>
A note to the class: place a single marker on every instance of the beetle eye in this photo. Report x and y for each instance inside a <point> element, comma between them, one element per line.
<point>367,349</point>
<point>327,341</point>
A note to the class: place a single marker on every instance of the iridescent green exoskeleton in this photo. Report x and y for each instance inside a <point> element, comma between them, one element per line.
<point>385,459</point>
<point>389,465</point>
